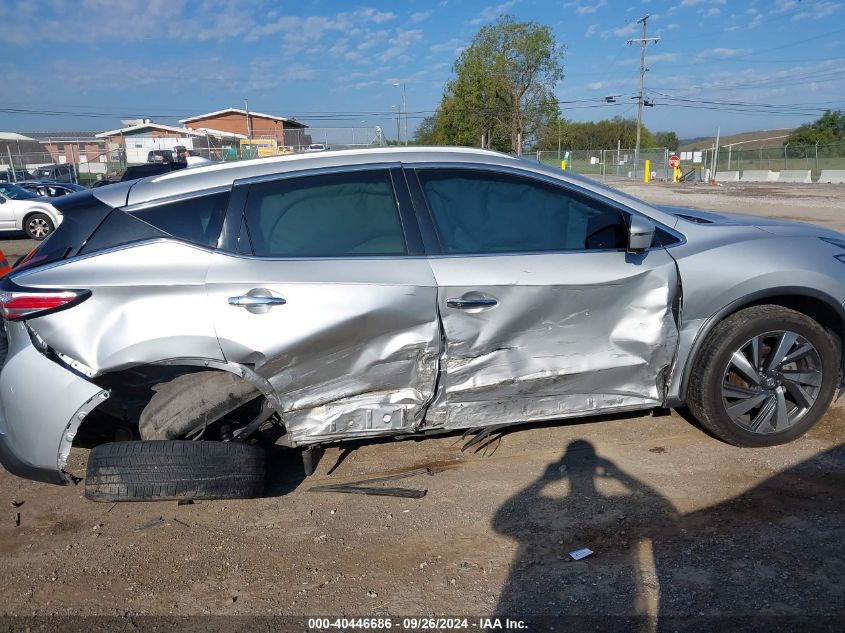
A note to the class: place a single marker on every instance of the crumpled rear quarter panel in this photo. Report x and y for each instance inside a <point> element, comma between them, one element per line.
<point>148,303</point>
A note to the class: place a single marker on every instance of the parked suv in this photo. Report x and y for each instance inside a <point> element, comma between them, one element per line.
<point>311,299</point>
<point>160,156</point>
<point>55,173</point>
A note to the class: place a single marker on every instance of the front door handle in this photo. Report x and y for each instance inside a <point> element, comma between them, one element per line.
<point>257,301</point>
<point>246,301</point>
<point>466,304</point>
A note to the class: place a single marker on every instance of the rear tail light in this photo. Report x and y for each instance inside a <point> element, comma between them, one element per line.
<point>17,303</point>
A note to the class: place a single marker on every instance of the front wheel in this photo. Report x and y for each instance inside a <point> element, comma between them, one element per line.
<point>764,376</point>
<point>38,226</point>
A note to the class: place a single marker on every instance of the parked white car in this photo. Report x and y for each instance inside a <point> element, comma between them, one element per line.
<point>22,210</point>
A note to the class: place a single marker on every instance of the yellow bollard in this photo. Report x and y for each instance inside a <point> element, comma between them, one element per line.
<point>647,170</point>
<point>563,165</point>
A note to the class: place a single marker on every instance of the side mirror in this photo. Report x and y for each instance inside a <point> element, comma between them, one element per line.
<point>640,234</point>
<point>2,200</point>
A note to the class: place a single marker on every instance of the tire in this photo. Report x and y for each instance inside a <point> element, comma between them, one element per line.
<point>191,402</point>
<point>161,470</point>
<point>38,226</point>
<point>716,374</point>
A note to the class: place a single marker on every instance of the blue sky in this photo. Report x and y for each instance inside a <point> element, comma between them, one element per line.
<point>741,65</point>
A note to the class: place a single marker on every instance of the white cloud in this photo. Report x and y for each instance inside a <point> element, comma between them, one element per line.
<point>717,53</point>
<point>758,19</point>
<point>652,59</point>
<point>593,29</point>
<point>488,14</point>
<point>300,32</point>
<point>420,16</point>
<point>446,47</point>
<point>712,11</point>
<point>817,11</point>
<point>583,7</point>
<point>121,20</point>
<point>692,3</point>
<point>782,6</point>
<point>400,43</point>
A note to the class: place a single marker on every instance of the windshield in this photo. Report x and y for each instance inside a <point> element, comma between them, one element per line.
<point>14,192</point>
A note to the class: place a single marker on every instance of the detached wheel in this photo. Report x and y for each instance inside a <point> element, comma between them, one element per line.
<point>764,376</point>
<point>174,469</point>
<point>38,226</point>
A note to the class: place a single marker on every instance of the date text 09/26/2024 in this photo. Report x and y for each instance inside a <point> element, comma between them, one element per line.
<point>412,624</point>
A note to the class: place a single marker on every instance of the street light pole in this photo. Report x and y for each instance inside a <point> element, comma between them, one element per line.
<point>404,108</point>
<point>398,118</point>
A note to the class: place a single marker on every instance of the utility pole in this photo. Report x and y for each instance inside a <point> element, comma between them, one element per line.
<point>643,42</point>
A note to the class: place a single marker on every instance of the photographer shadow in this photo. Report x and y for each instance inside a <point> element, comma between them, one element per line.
<point>585,501</point>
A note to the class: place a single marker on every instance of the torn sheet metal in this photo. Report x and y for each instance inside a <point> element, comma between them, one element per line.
<point>353,351</point>
<point>569,334</point>
<point>36,431</point>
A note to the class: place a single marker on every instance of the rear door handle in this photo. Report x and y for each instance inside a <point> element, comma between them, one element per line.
<point>246,301</point>
<point>466,304</point>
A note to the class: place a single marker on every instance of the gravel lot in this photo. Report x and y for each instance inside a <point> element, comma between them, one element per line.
<point>682,526</point>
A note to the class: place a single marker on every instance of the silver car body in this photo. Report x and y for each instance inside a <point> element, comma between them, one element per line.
<point>371,346</point>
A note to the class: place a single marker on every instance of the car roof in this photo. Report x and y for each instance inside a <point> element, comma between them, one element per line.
<point>222,175</point>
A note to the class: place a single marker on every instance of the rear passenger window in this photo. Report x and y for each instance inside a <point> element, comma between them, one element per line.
<point>351,214</point>
<point>197,220</point>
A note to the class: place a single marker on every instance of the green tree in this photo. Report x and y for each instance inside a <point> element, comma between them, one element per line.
<point>595,135</point>
<point>666,139</point>
<point>829,128</point>
<point>503,87</point>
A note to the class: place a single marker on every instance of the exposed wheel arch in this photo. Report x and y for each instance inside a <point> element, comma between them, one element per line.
<point>133,388</point>
<point>817,305</point>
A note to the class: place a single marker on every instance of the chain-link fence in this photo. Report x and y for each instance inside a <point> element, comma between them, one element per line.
<point>612,163</point>
<point>698,164</point>
<point>86,159</point>
<point>812,158</point>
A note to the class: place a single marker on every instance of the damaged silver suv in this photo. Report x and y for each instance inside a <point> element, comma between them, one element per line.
<point>297,301</point>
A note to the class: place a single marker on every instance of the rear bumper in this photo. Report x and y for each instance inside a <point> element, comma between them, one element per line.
<point>41,407</point>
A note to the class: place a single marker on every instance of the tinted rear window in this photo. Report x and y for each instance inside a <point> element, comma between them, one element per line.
<point>197,220</point>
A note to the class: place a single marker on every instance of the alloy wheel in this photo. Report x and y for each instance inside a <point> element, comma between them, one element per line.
<point>38,228</point>
<point>772,381</point>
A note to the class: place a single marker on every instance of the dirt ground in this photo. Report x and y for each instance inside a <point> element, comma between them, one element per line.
<point>684,528</point>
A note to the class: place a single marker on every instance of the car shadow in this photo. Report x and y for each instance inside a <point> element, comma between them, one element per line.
<point>768,559</point>
<point>284,471</point>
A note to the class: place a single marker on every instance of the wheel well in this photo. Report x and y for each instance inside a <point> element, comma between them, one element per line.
<point>814,307</point>
<point>131,390</point>
<point>817,309</point>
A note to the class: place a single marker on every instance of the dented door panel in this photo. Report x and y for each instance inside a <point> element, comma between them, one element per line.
<point>353,350</point>
<point>569,334</point>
